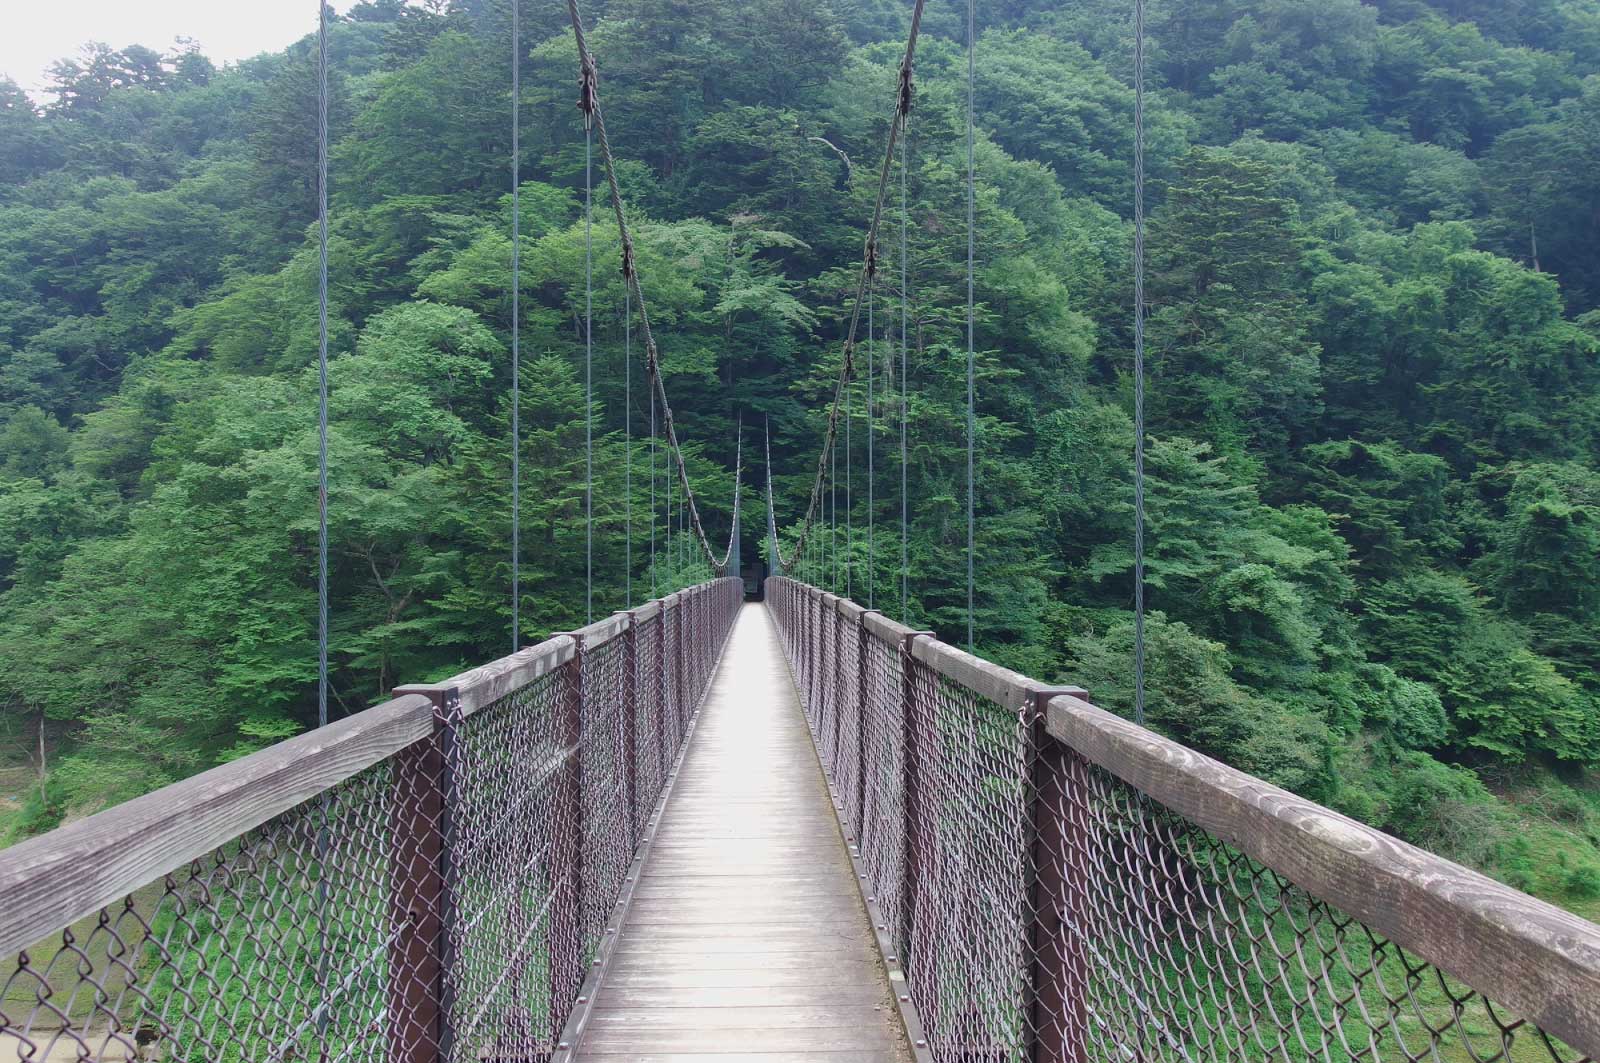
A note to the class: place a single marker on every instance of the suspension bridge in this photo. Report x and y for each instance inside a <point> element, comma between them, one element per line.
<point>754,820</point>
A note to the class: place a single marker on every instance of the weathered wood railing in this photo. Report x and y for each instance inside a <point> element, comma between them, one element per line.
<point>1056,883</point>
<point>426,880</point>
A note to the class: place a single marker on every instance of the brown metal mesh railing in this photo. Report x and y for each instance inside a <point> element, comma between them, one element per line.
<point>428,880</point>
<point>1058,884</point>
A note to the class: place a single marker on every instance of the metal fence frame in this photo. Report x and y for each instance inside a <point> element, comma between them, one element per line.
<point>1057,883</point>
<point>426,880</point>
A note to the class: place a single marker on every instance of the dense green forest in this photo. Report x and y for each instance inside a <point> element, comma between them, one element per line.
<point>1374,373</point>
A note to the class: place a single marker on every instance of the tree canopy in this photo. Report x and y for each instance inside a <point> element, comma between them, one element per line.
<point>1374,373</point>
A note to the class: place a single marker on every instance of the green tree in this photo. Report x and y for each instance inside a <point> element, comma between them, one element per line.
<point>1228,325</point>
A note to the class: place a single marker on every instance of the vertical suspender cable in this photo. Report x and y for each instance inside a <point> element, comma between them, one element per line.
<point>833,521</point>
<point>322,501</point>
<point>849,468</point>
<point>872,372</point>
<point>322,364</point>
<point>672,557</point>
<point>816,500</point>
<point>654,592</point>
<point>516,324</point>
<point>595,123</point>
<point>1138,359</point>
<point>588,372</point>
<point>905,407</point>
<point>972,224</point>
<point>627,437</point>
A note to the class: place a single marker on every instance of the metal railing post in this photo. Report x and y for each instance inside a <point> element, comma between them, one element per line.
<point>663,702</point>
<point>422,895</point>
<point>680,700</point>
<point>701,643</point>
<point>832,704</point>
<point>630,730</point>
<point>1057,977</point>
<point>566,900</point>
<point>912,740</point>
<point>808,636</point>
<point>862,635</point>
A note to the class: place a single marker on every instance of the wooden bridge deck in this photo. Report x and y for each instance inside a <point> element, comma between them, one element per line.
<point>747,938</point>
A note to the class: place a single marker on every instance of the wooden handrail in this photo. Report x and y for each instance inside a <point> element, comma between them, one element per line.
<point>54,880</point>
<point>1539,961</point>
<point>1525,955</point>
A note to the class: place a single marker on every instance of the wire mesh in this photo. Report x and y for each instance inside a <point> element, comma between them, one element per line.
<point>1184,948</point>
<point>444,903</point>
<point>1044,909</point>
<point>293,909</point>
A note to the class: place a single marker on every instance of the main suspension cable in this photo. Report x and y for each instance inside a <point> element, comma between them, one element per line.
<point>594,116</point>
<point>868,269</point>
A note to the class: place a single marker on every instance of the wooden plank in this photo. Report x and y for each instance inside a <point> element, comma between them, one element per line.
<point>838,974</point>
<point>1008,689</point>
<point>886,630</point>
<point>864,994</point>
<point>489,683</point>
<point>833,926</point>
<point>601,632</point>
<point>882,1056</point>
<point>734,908</point>
<point>1535,959</point>
<point>816,894</point>
<point>641,959</point>
<point>748,928</point>
<point>638,1019</point>
<point>739,1039</point>
<point>51,881</point>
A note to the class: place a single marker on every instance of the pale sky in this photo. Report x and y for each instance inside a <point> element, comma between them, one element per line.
<point>35,33</point>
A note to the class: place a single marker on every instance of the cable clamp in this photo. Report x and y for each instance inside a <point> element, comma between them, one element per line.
<point>907,91</point>
<point>588,89</point>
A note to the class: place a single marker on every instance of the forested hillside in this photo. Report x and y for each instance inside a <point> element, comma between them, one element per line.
<point>1374,373</point>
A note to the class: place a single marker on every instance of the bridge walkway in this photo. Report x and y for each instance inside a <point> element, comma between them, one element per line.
<point>747,938</point>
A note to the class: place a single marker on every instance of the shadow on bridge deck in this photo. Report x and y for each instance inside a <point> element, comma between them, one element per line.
<point>747,938</point>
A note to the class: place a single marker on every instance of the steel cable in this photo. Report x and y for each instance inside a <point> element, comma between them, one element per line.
<point>849,471</point>
<point>322,838</point>
<point>594,115</point>
<point>322,365</point>
<point>627,438</point>
<point>872,371</point>
<point>868,269</point>
<point>516,324</point>
<point>905,404</point>
<point>1138,359</point>
<point>588,374</point>
<point>654,593</point>
<point>972,243</point>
